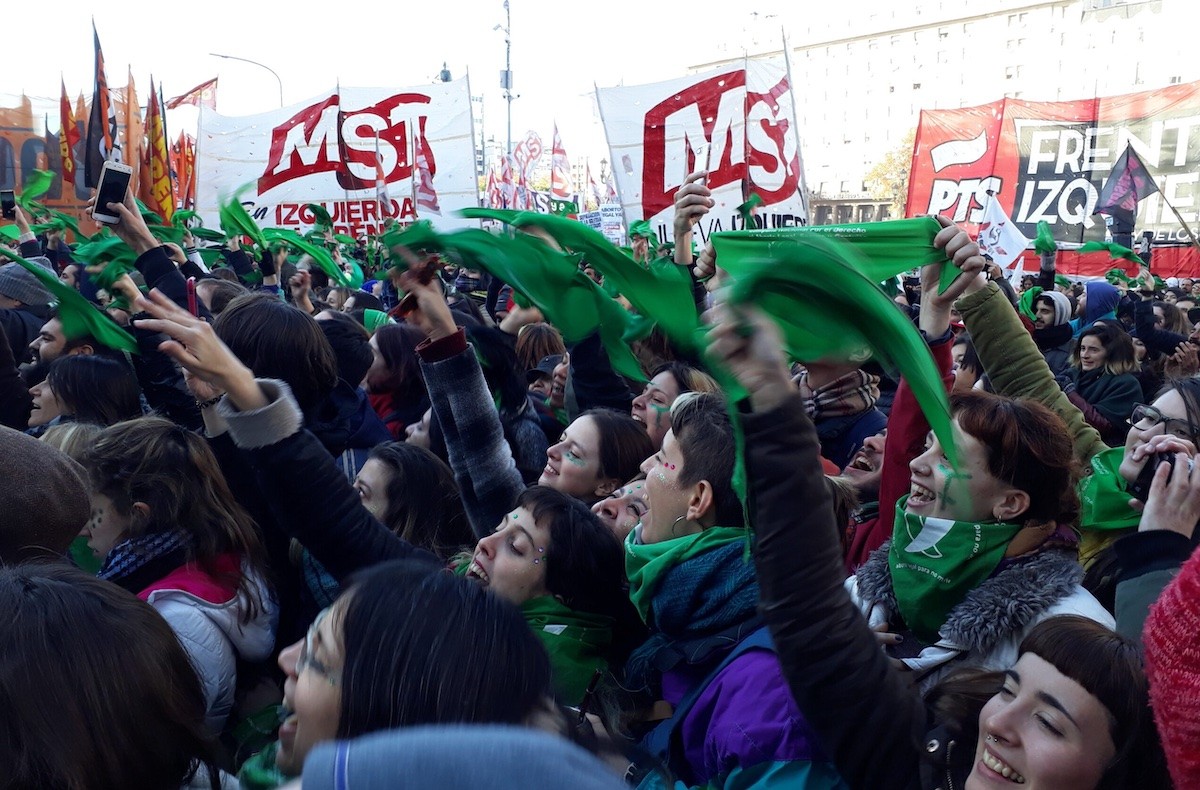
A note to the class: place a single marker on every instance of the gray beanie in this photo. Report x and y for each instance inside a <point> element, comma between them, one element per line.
<point>457,757</point>
<point>16,282</point>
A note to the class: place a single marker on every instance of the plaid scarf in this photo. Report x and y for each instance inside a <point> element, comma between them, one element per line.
<point>852,393</point>
<point>138,562</point>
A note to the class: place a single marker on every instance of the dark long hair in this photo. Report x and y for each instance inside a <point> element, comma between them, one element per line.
<point>96,690</point>
<point>424,504</point>
<point>95,389</point>
<point>623,443</point>
<point>275,340</point>
<point>173,471</point>
<point>423,646</point>
<point>398,346</point>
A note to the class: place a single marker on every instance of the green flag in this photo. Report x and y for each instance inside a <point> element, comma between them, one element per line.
<point>38,184</point>
<point>885,249</point>
<point>1116,251</point>
<point>79,317</point>
<point>323,220</point>
<point>815,289</point>
<point>661,292</point>
<point>321,256</point>
<point>236,221</point>
<point>1044,243</point>
<point>546,278</point>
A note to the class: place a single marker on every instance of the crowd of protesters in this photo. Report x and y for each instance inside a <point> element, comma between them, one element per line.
<point>294,531</point>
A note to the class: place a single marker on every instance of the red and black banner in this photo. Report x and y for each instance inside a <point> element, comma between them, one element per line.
<point>1050,160</point>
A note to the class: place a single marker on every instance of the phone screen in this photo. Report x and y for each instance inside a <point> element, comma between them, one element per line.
<point>112,190</point>
<point>8,203</point>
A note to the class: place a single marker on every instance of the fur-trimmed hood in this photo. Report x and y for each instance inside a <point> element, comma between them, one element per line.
<point>1002,606</point>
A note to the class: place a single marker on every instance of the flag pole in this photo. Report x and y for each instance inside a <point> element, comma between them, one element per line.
<point>1179,217</point>
<point>801,182</point>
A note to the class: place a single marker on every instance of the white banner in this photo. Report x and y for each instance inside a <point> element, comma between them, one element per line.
<point>740,119</point>
<point>324,151</point>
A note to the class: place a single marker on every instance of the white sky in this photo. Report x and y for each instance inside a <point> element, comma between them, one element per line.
<point>559,49</point>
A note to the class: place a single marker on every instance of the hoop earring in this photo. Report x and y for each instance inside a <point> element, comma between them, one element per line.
<point>675,522</point>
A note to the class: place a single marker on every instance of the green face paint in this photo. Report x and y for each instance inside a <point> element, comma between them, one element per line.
<point>574,459</point>
<point>659,413</point>
<point>951,476</point>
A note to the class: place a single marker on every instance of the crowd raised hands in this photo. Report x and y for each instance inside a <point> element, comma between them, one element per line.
<point>603,581</point>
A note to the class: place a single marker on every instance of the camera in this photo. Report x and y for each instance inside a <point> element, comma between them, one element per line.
<point>1141,487</point>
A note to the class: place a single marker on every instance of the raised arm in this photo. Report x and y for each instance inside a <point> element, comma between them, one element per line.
<point>299,479</point>
<point>1013,363</point>
<point>868,718</point>
<point>479,455</point>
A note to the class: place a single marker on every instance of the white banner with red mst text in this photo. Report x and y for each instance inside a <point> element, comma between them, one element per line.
<point>741,119</point>
<point>323,151</point>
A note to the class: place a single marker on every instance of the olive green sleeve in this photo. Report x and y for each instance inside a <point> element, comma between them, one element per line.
<point>1015,366</point>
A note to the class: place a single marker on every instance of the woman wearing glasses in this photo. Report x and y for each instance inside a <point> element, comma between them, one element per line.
<point>1170,424</point>
<point>405,645</point>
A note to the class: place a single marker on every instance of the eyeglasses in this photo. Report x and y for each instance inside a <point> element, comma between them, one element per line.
<point>307,659</point>
<point>1184,429</point>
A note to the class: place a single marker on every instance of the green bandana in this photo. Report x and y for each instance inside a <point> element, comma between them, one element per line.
<point>646,563</point>
<point>1026,304</point>
<point>576,642</point>
<point>260,771</point>
<point>935,562</point>
<point>1103,497</point>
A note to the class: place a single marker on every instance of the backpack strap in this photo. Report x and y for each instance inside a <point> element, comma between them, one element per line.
<point>663,741</point>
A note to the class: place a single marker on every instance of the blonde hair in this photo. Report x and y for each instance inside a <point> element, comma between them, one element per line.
<point>72,438</point>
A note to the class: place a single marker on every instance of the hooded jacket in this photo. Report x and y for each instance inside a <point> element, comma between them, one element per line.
<point>1102,299</point>
<point>206,613</point>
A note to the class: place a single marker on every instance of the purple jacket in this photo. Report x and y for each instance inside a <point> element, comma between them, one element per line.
<point>744,729</point>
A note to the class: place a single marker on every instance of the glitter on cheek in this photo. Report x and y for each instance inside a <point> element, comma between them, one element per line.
<point>662,478</point>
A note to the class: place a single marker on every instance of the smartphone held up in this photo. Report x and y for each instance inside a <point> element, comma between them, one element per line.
<point>8,203</point>
<point>114,182</point>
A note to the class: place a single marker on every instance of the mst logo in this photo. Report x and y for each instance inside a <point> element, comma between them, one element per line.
<point>749,135</point>
<point>323,138</point>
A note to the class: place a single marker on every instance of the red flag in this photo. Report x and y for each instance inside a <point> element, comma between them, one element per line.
<point>593,187</point>
<point>1128,183</point>
<point>495,196</point>
<point>560,170</point>
<point>424,193</point>
<point>68,137</point>
<point>102,123</point>
<point>381,193</point>
<point>203,95</point>
<point>183,163</point>
<point>157,192</point>
<point>508,187</point>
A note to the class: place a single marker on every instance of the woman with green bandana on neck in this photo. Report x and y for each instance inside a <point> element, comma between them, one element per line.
<point>1168,424</point>
<point>982,552</point>
<point>708,658</point>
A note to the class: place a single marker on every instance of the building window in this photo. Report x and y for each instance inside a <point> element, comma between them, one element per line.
<point>916,86</point>
<point>1176,80</point>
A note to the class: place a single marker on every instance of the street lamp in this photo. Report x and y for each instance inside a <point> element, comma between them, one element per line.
<point>255,63</point>
<point>506,81</point>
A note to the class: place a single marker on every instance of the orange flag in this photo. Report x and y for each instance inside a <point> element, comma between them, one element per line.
<point>68,137</point>
<point>157,192</point>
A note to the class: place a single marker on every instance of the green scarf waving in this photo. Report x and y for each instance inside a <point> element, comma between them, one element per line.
<point>935,562</point>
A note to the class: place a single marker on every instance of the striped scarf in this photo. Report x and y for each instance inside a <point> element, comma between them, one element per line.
<point>852,393</point>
